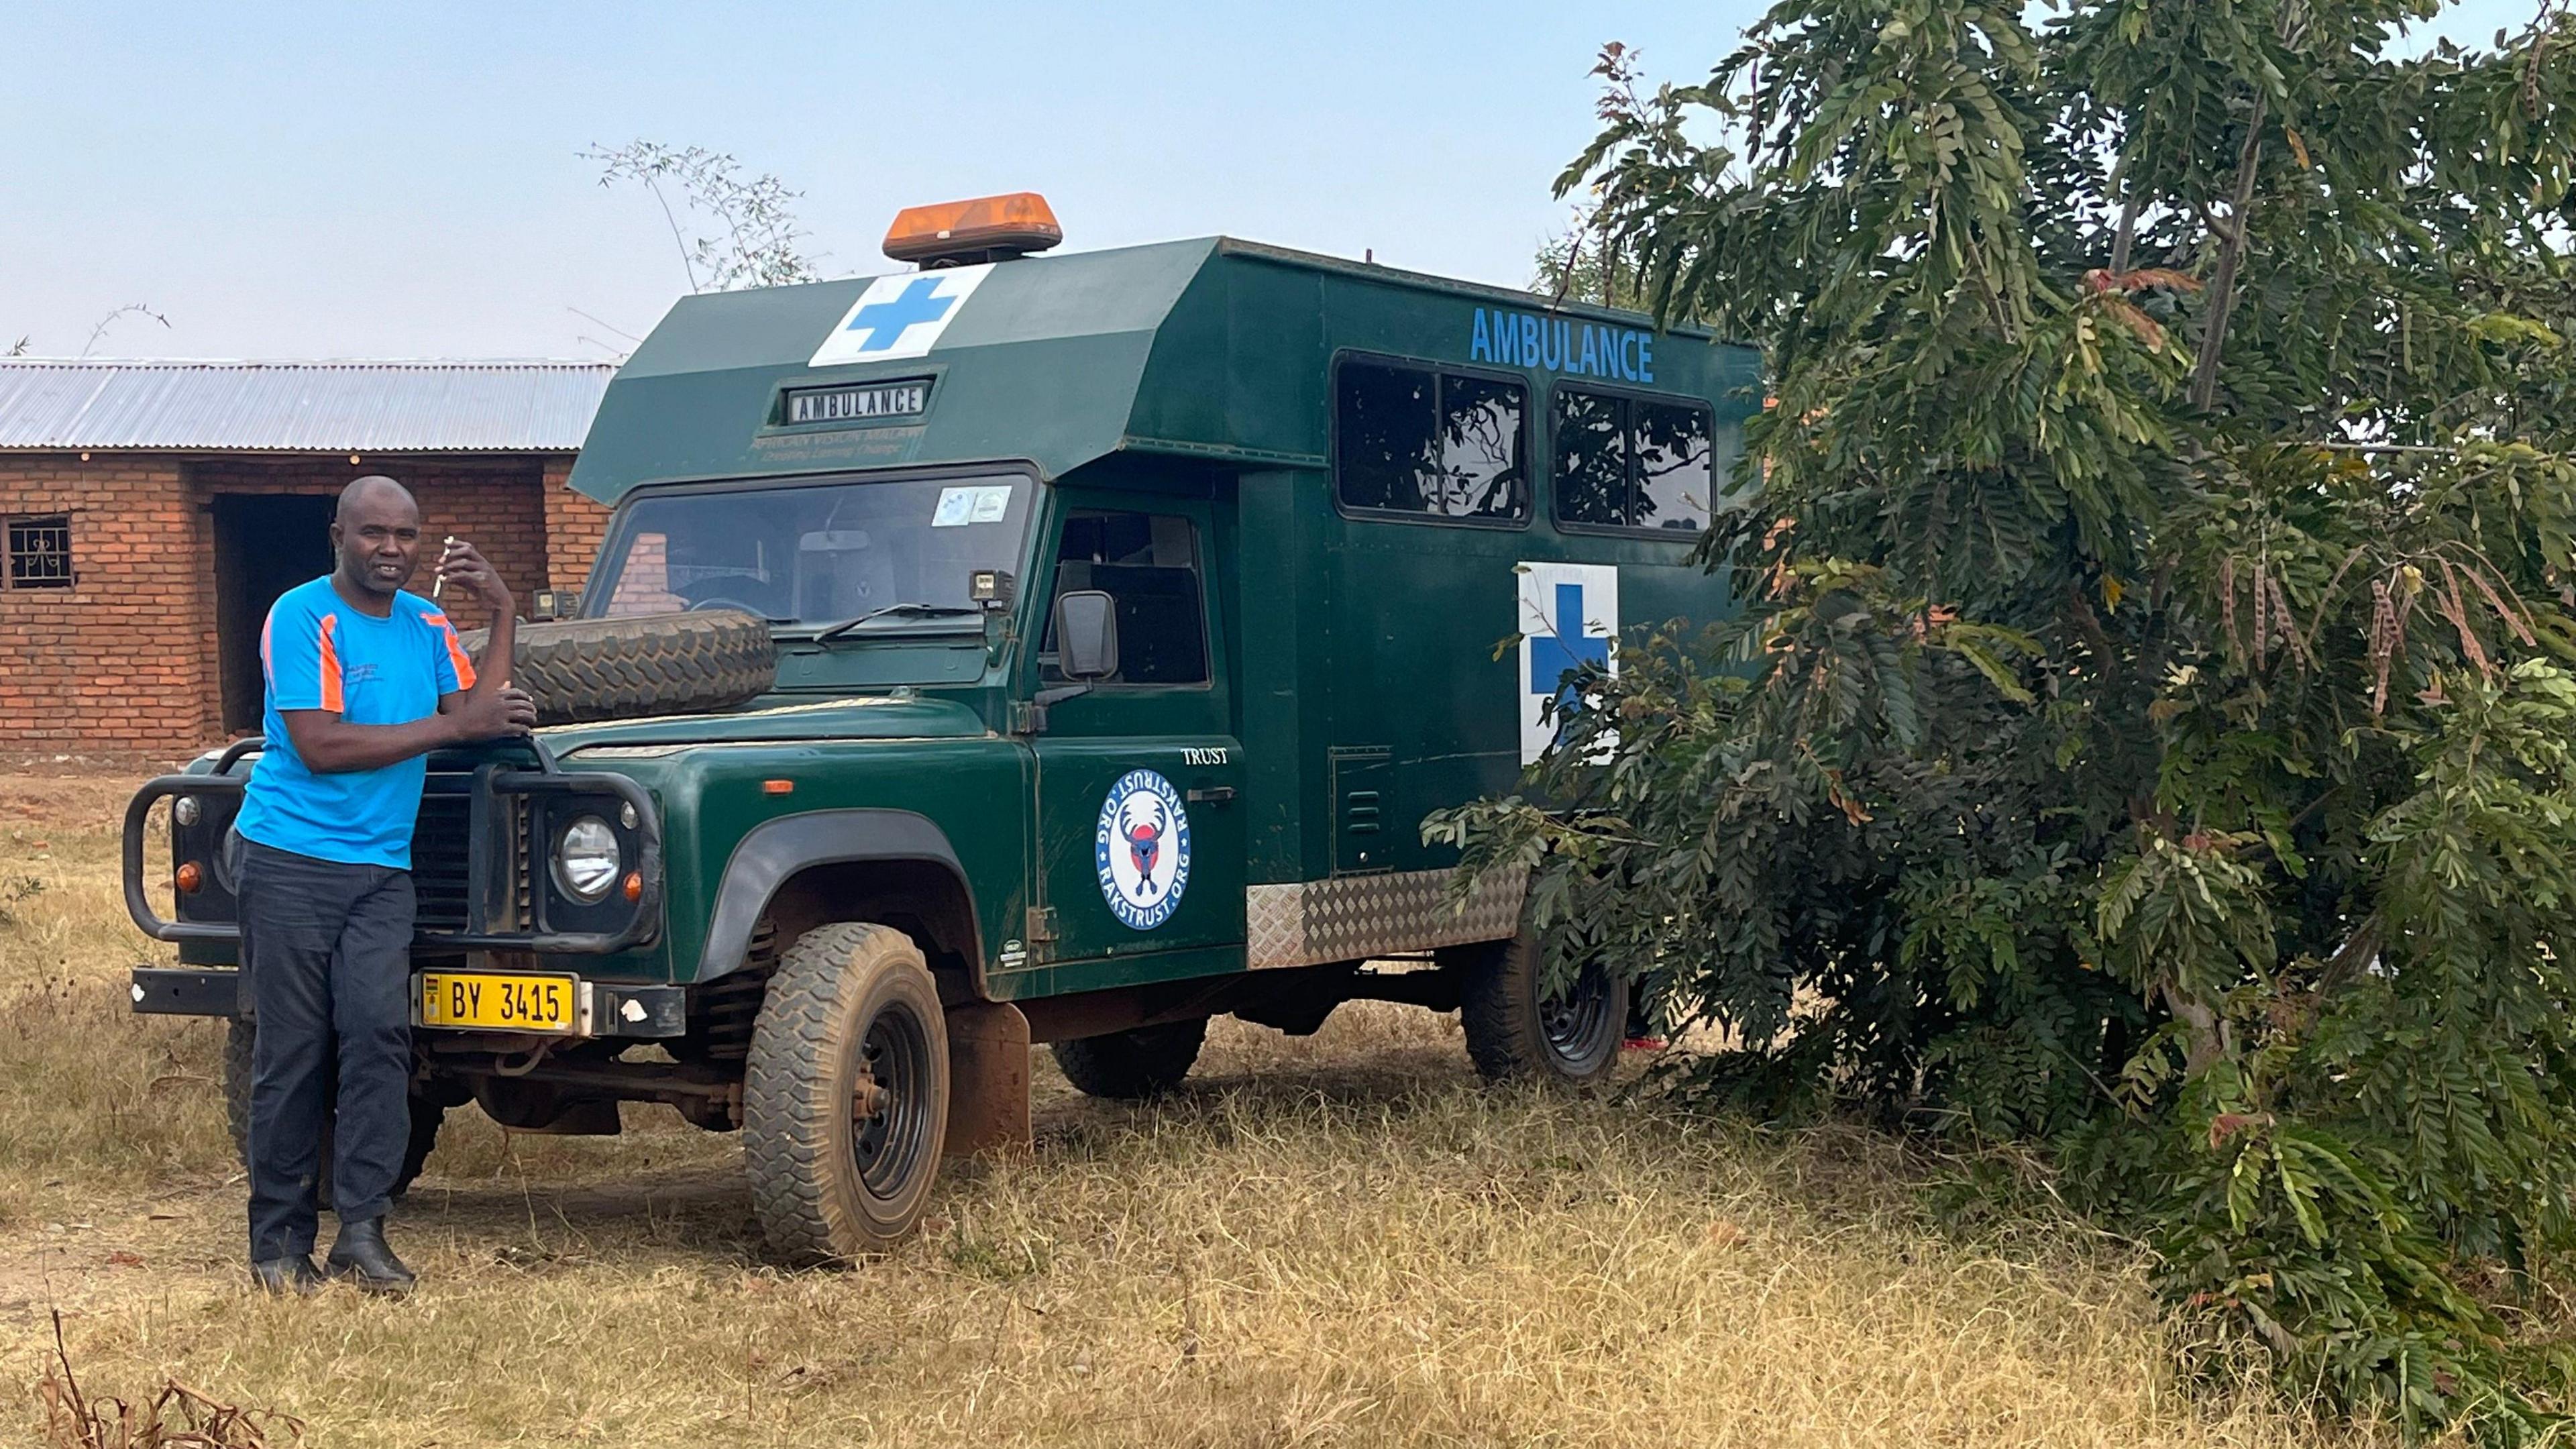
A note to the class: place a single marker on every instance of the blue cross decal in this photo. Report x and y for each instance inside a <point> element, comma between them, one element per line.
<point>884,321</point>
<point>1552,655</point>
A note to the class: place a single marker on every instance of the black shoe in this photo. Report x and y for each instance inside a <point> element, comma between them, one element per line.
<point>282,1276</point>
<point>359,1254</point>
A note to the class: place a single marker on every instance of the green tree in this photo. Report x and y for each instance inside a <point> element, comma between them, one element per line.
<point>2151,729</point>
<point>1587,262</point>
<point>755,240</point>
<point>1576,266</point>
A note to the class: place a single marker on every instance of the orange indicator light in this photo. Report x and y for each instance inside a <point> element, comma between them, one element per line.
<point>777,787</point>
<point>634,885</point>
<point>191,876</point>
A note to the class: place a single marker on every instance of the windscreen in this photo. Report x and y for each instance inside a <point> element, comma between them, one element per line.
<point>813,554</point>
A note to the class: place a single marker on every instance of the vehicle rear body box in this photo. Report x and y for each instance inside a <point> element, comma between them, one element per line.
<point>1364,674</point>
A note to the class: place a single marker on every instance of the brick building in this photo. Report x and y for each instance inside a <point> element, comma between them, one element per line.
<point>150,511</point>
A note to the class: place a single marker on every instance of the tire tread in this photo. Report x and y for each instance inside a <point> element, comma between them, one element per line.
<point>1498,1011</point>
<point>579,670</point>
<point>788,1098</point>
<point>1132,1065</point>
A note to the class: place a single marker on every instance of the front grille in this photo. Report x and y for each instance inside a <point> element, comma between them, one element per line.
<point>441,863</point>
<point>524,831</point>
<point>442,867</point>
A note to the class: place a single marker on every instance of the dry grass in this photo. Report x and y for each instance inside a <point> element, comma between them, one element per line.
<point>1340,1240</point>
<point>178,1417</point>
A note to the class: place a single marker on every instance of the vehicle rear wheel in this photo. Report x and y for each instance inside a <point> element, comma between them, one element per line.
<point>1130,1065</point>
<point>1518,1032</point>
<point>845,1095</point>
<point>241,1042</point>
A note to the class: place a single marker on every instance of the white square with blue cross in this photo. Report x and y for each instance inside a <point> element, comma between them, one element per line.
<point>899,316</point>
<point>1569,617</point>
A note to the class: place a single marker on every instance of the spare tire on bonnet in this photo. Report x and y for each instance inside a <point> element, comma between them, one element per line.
<point>647,664</point>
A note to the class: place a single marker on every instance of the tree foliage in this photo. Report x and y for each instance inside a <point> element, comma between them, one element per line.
<point>2150,732</point>
<point>21,346</point>
<point>1592,260</point>
<point>1576,265</point>
<point>752,237</point>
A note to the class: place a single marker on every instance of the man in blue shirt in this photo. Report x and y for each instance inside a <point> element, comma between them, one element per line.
<point>364,680</point>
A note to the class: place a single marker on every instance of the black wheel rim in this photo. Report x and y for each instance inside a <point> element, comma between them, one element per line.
<point>1574,1020</point>
<point>890,1125</point>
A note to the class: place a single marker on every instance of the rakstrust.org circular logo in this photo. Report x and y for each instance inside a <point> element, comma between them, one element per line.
<point>1143,849</point>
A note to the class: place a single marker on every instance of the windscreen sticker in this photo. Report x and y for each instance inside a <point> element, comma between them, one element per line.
<point>958,507</point>
<point>899,316</point>
<point>1143,849</point>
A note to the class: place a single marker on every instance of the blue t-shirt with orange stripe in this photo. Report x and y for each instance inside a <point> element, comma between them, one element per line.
<point>319,652</point>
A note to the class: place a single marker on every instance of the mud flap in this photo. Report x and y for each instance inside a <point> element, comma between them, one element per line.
<point>988,1079</point>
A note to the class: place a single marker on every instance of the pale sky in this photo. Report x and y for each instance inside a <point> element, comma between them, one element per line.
<point>400,180</point>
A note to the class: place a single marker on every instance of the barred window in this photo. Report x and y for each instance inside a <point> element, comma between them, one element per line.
<point>39,552</point>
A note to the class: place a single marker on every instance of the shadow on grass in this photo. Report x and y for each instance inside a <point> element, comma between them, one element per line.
<point>547,1199</point>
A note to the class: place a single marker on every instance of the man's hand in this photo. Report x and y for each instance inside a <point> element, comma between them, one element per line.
<point>329,744</point>
<point>490,709</point>
<point>461,566</point>
<point>491,714</point>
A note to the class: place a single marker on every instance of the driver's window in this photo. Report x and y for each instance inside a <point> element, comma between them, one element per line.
<point>1149,564</point>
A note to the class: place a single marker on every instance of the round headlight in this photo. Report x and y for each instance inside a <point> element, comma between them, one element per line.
<point>186,810</point>
<point>586,860</point>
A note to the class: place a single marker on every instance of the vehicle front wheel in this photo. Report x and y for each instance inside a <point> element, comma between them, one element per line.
<point>1517,1031</point>
<point>845,1096</point>
<point>241,1043</point>
<point>1132,1065</point>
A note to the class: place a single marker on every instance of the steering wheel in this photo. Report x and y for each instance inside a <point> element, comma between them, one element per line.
<point>721,602</point>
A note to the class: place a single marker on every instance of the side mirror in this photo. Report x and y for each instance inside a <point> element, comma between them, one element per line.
<point>1086,634</point>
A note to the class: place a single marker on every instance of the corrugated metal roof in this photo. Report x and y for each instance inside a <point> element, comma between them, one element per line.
<point>319,407</point>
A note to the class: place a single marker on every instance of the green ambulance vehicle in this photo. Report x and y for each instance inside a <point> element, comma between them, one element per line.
<point>1015,650</point>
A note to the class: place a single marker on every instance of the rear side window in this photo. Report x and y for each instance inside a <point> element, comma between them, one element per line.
<point>1592,459</point>
<point>1423,441</point>
<point>1629,462</point>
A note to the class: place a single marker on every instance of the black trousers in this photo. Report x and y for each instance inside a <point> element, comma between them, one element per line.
<point>327,947</point>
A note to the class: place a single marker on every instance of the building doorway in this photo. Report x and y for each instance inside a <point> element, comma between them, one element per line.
<point>265,544</point>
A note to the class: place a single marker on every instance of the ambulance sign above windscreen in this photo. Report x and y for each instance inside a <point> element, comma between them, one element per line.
<point>899,316</point>
<point>874,402</point>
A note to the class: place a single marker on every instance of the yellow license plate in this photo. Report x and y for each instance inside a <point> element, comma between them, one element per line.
<point>506,1003</point>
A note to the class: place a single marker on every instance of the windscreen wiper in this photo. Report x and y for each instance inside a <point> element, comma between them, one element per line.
<point>909,610</point>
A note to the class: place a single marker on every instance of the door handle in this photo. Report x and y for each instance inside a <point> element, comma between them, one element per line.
<point>1211,795</point>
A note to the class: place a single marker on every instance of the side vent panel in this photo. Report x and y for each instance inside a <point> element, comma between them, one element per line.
<point>1364,809</point>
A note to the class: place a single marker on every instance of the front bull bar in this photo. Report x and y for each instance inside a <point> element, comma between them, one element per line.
<point>489,849</point>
